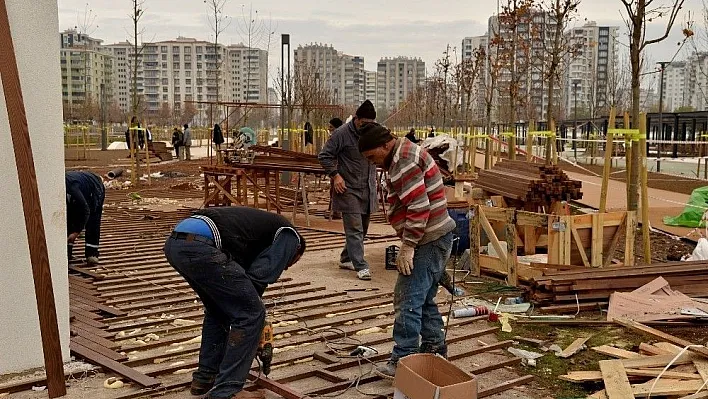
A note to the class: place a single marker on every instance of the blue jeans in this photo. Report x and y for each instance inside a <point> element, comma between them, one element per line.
<point>356,226</point>
<point>418,325</point>
<point>233,314</point>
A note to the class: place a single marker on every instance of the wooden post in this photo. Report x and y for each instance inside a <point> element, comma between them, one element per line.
<point>32,209</point>
<point>608,163</point>
<point>646,240</point>
<point>512,144</point>
<point>488,151</point>
<point>529,141</point>
<point>474,242</point>
<point>629,147</point>
<point>147,155</point>
<point>550,144</point>
<point>304,199</point>
<point>510,237</point>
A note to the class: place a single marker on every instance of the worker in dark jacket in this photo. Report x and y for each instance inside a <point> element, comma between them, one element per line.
<point>229,255</point>
<point>84,204</point>
<point>354,180</point>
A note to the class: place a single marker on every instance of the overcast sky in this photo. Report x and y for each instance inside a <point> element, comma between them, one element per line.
<point>372,28</point>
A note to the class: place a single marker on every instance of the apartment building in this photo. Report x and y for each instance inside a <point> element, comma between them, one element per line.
<point>85,68</point>
<point>188,70</point>
<point>123,65</point>
<point>341,74</point>
<point>469,45</point>
<point>592,70</point>
<point>370,83</point>
<point>396,79</point>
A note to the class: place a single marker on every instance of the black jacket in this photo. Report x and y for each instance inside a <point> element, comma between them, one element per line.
<point>84,195</point>
<point>245,232</point>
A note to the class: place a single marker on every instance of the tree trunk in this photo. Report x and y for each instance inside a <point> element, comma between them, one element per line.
<point>635,57</point>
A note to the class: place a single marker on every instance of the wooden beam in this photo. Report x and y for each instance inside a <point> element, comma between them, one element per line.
<point>616,382</point>
<point>631,229</point>
<point>510,236</point>
<point>474,234</point>
<point>639,327</point>
<point>608,163</point>
<point>491,235</point>
<point>579,244</point>
<point>32,209</point>
<point>118,368</point>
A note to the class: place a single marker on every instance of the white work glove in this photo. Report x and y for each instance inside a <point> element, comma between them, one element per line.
<point>404,261</point>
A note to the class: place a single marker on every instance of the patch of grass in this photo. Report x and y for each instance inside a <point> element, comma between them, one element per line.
<point>549,367</point>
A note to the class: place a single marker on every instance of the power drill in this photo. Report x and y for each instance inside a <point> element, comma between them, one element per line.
<point>265,347</point>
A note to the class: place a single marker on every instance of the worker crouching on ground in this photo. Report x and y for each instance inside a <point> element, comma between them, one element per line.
<point>229,255</point>
<point>84,205</point>
<point>418,213</point>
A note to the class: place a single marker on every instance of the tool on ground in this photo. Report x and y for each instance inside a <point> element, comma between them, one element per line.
<point>363,351</point>
<point>265,347</point>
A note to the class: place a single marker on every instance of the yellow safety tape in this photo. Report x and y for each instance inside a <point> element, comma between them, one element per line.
<point>543,133</point>
<point>507,134</point>
<point>630,134</point>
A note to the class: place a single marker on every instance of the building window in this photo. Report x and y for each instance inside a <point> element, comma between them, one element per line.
<point>176,82</point>
<point>175,65</point>
<point>187,65</point>
<point>175,49</point>
<point>187,57</point>
<point>198,49</point>
<point>164,57</point>
<point>163,49</point>
<point>187,50</point>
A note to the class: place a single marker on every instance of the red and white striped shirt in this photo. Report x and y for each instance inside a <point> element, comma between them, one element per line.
<point>416,195</point>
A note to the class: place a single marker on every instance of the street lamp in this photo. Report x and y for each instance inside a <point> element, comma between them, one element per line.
<point>576,82</point>
<point>661,114</point>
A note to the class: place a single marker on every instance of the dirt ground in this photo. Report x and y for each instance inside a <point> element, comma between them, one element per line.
<point>185,177</point>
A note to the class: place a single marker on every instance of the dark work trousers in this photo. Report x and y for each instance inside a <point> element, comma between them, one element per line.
<point>356,225</point>
<point>93,225</point>
<point>234,314</point>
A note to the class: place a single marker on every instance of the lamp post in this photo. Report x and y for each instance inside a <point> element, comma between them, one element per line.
<point>576,82</point>
<point>661,114</point>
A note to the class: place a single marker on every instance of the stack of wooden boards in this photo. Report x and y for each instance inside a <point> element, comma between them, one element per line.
<point>592,287</point>
<point>655,301</point>
<point>276,158</point>
<point>636,374</point>
<point>529,182</point>
<point>159,149</point>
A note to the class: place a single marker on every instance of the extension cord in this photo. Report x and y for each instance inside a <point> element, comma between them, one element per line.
<point>363,351</point>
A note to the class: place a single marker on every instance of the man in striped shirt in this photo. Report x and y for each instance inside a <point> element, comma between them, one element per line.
<point>419,215</point>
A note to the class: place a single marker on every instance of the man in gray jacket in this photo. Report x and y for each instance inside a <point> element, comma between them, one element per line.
<point>187,142</point>
<point>354,179</point>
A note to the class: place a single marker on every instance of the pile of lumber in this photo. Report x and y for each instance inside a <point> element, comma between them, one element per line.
<point>593,287</point>
<point>529,182</point>
<point>159,149</point>
<point>630,374</point>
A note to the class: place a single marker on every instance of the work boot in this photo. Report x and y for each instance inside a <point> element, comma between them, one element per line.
<point>427,347</point>
<point>249,395</point>
<point>387,371</point>
<point>364,274</point>
<point>200,388</point>
<point>92,260</point>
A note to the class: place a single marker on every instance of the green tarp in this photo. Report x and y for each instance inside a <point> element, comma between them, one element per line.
<point>692,215</point>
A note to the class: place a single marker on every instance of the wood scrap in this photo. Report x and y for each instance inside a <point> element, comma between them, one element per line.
<point>665,388</point>
<point>575,347</point>
<point>615,352</point>
<point>639,327</point>
<point>615,378</point>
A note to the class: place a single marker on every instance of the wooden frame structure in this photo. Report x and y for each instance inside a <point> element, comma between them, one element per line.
<point>574,240</point>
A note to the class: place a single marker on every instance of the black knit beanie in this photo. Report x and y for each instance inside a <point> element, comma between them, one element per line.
<point>366,110</point>
<point>373,135</point>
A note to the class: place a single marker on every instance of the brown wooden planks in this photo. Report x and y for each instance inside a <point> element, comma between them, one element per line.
<point>118,368</point>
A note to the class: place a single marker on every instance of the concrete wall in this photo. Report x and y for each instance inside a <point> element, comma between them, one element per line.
<point>35,27</point>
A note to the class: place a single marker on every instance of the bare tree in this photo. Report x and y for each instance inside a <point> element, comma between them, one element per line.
<point>218,22</point>
<point>514,41</point>
<point>638,13</point>
<point>619,85</point>
<point>558,46</point>
<point>136,16</point>
<point>308,88</point>
<point>466,74</point>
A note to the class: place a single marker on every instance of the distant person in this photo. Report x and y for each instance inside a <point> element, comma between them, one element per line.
<point>177,143</point>
<point>129,137</point>
<point>187,142</point>
<point>411,136</point>
<point>84,204</point>
<point>148,135</point>
<point>432,132</point>
<point>334,123</point>
<point>217,136</point>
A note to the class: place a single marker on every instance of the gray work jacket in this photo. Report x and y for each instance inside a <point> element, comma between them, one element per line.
<point>340,155</point>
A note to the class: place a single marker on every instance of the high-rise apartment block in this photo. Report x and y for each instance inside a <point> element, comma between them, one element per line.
<point>187,70</point>
<point>341,74</point>
<point>591,69</point>
<point>396,79</point>
<point>85,69</point>
<point>370,86</point>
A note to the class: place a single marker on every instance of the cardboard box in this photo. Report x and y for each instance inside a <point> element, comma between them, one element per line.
<point>427,376</point>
